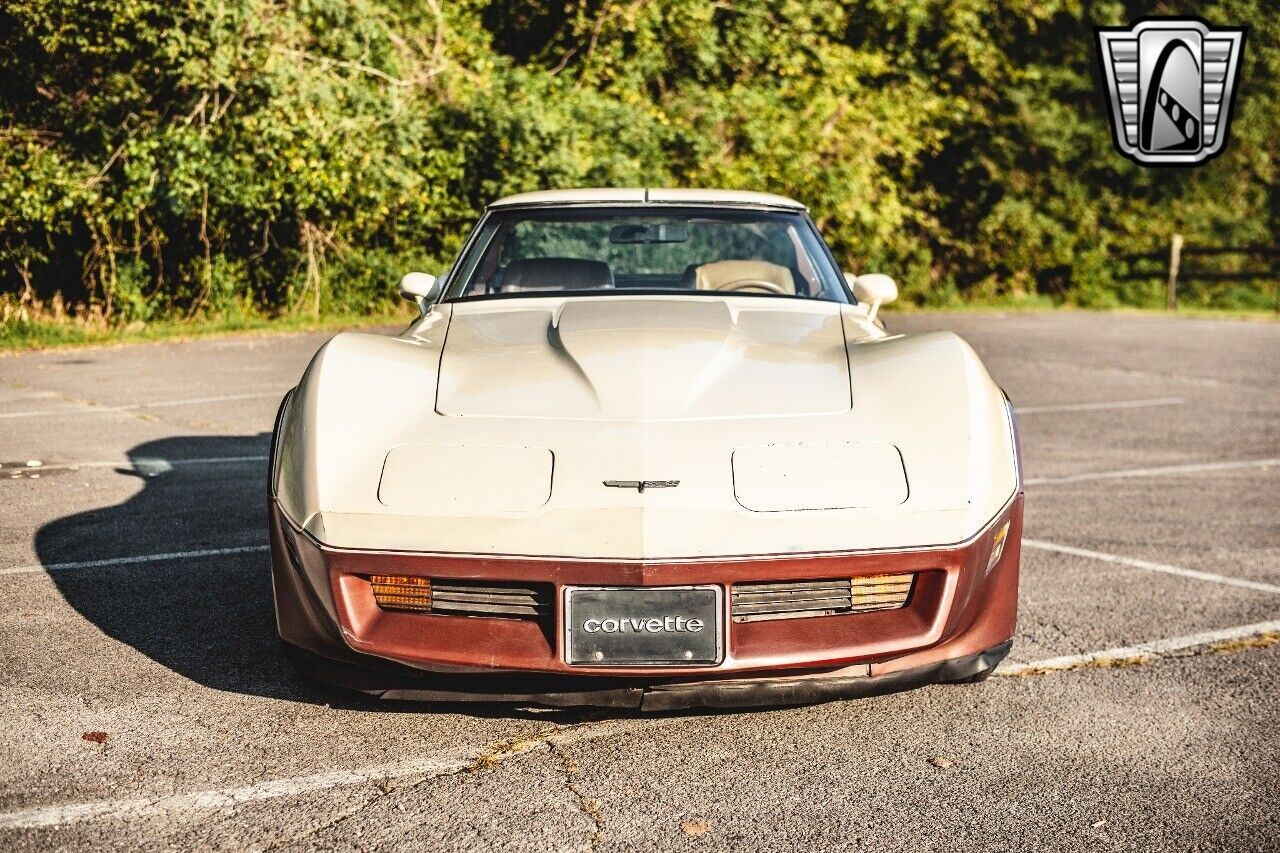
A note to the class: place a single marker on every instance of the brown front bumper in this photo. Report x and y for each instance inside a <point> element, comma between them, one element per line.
<point>658,695</point>
<point>957,613</point>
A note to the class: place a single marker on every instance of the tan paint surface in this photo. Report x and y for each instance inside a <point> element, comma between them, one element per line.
<point>643,388</point>
<point>815,476</point>
<point>643,359</point>
<point>465,478</point>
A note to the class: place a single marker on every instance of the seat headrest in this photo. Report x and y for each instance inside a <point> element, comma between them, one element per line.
<point>719,274</point>
<point>528,274</point>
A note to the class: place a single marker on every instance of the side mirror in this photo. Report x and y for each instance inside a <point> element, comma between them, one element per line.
<point>874,288</point>
<point>423,288</point>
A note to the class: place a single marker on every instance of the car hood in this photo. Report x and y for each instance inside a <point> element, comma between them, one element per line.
<point>634,359</point>
<point>549,460</point>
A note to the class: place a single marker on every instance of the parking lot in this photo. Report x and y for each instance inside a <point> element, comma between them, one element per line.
<point>144,703</point>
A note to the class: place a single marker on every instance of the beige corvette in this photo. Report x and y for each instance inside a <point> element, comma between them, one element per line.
<point>645,448</point>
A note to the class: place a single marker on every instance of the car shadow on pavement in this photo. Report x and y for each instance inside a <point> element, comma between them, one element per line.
<point>210,618</point>
<point>206,618</point>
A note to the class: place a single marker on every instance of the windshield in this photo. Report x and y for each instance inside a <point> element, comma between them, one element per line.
<point>608,251</point>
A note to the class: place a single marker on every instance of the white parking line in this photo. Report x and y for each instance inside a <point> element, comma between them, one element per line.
<point>1141,650</point>
<point>1101,406</point>
<point>132,561</point>
<point>1030,543</point>
<point>196,803</point>
<point>91,409</point>
<point>1151,567</point>
<point>1162,471</point>
<point>149,465</point>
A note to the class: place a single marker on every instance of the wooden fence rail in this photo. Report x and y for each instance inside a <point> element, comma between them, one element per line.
<point>1169,265</point>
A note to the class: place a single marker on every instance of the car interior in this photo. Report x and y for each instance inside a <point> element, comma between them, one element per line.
<point>527,256</point>
<point>531,274</point>
<point>525,275</point>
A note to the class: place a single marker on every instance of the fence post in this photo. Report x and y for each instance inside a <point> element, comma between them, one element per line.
<point>1275,278</point>
<point>1175,258</point>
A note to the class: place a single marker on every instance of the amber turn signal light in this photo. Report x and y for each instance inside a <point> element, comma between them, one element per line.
<point>997,546</point>
<point>401,592</point>
<point>879,592</point>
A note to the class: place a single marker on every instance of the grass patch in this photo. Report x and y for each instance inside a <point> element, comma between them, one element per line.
<point>1261,641</point>
<point>1044,305</point>
<point>64,331</point>
<point>38,334</point>
<point>1087,663</point>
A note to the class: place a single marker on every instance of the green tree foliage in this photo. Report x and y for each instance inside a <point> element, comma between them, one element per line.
<point>163,158</point>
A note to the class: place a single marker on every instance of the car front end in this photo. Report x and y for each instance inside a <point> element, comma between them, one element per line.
<point>778,629</point>
<point>645,451</point>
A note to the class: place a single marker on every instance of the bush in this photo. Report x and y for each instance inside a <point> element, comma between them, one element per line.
<point>232,158</point>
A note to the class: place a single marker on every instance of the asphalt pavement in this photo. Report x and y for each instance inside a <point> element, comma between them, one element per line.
<point>144,704</point>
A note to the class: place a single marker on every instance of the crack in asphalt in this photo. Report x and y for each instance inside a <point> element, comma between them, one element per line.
<point>554,739</point>
<point>385,790</point>
<point>589,806</point>
<point>491,756</point>
<point>500,751</point>
<point>428,768</point>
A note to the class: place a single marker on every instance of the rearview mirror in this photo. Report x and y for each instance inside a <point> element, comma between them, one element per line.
<point>421,287</point>
<point>654,232</point>
<point>874,288</point>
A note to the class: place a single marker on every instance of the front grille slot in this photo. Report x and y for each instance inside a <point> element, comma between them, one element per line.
<point>485,598</point>
<point>760,601</point>
<point>789,600</point>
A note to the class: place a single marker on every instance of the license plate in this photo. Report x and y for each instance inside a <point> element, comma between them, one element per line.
<point>643,626</point>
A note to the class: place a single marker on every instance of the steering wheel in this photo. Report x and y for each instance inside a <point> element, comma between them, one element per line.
<point>755,284</point>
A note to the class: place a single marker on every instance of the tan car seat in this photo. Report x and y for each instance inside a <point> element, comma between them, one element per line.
<point>536,274</point>
<point>719,275</point>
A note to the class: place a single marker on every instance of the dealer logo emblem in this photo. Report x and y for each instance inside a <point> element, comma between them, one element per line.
<point>1170,83</point>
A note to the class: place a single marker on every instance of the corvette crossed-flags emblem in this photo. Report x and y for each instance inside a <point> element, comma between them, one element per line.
<point>641,485</point>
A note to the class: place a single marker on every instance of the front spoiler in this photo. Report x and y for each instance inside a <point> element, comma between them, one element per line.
<point>618,693</point>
